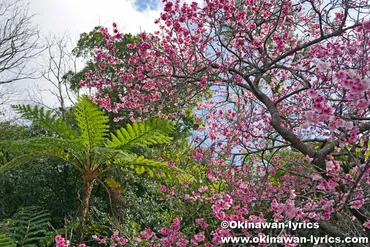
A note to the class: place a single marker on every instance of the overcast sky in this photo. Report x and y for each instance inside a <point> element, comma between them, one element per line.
<point>72,17</point>
<point>77,16</point>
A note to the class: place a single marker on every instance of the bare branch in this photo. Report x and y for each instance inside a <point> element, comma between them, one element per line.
<point>19,42</point>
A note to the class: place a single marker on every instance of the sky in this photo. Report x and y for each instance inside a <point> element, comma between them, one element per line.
<point>72,17</point>
<point>77,16</point>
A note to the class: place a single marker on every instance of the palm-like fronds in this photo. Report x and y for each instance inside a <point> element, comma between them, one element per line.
<point>27,227</point>
<point>141,164</point>
<point>38,147</point>
<point>89,149</point>
<point>46,120</point>
<point>92,123</point>
<point>145,133</point>
<point>6,241</point>
<point>152,167</point>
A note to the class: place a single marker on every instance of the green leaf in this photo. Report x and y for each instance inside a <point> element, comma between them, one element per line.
<point>46,120</point>
<point>34,148</point>
<point>18,161</point>
<point>92,123</point>
<point>145,133</point>
<point>29,226</point>
<point>6,241</point>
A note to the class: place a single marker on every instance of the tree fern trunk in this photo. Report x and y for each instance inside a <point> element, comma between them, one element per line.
<point>85,210</point>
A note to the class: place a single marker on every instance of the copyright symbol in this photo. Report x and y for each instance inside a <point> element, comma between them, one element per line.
<point>225,224</point>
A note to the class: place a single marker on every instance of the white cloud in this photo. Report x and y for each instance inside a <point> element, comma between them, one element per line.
<point>56,17</point>
<point>77,16</point>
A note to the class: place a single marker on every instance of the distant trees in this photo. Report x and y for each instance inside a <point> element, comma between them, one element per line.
<point>58,63</point>
<point>19,41</point>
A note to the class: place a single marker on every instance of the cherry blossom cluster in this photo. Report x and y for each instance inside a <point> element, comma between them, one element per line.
<point>61,242</point>
<point>286,128</point>
<point>113,241</point>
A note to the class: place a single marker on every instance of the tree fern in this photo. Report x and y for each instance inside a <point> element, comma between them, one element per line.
<point>141,134</point>
<point>89,150</point>
<point>92,123</point>
<point>46,120</point>
<point>28,227</point>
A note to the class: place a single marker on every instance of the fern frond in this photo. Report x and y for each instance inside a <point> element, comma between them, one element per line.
<point>153,168</point>
<point>18,161</point>
<point>34,148</point>
<point>102,155</point>
<point>37,144</point>
<point>29,225</point>
<point>92,123</point>
<point>46,120</point>
<point>6,241</point>
<point>145,133</point>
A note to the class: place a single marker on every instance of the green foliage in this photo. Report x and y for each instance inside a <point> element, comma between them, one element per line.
<point>141,165</point>
<point>86,45</point>
<point>88,149</point>
<point>50,184</point>
<point>13,132</point>
<point>99,223</point>
<point>18,161</point>
<point>10,132</point>
<point>288,160</point>
<point>92,122</point>
<point>46,120</point>
<point>95,39</point>
<point>141,134</point>
<point>89,41</point>
<point>45,182</point>
<point>28,226</point>
<point>5,241</point>
<point>44,146</point>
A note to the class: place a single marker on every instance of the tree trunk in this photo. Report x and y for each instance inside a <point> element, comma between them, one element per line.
<point>85,210</point>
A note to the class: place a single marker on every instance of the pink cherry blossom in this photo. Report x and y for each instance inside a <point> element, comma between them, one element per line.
<point>366,25</point>
<point>323,66</point>
<point>280,113</point>
<point>367,224</point>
